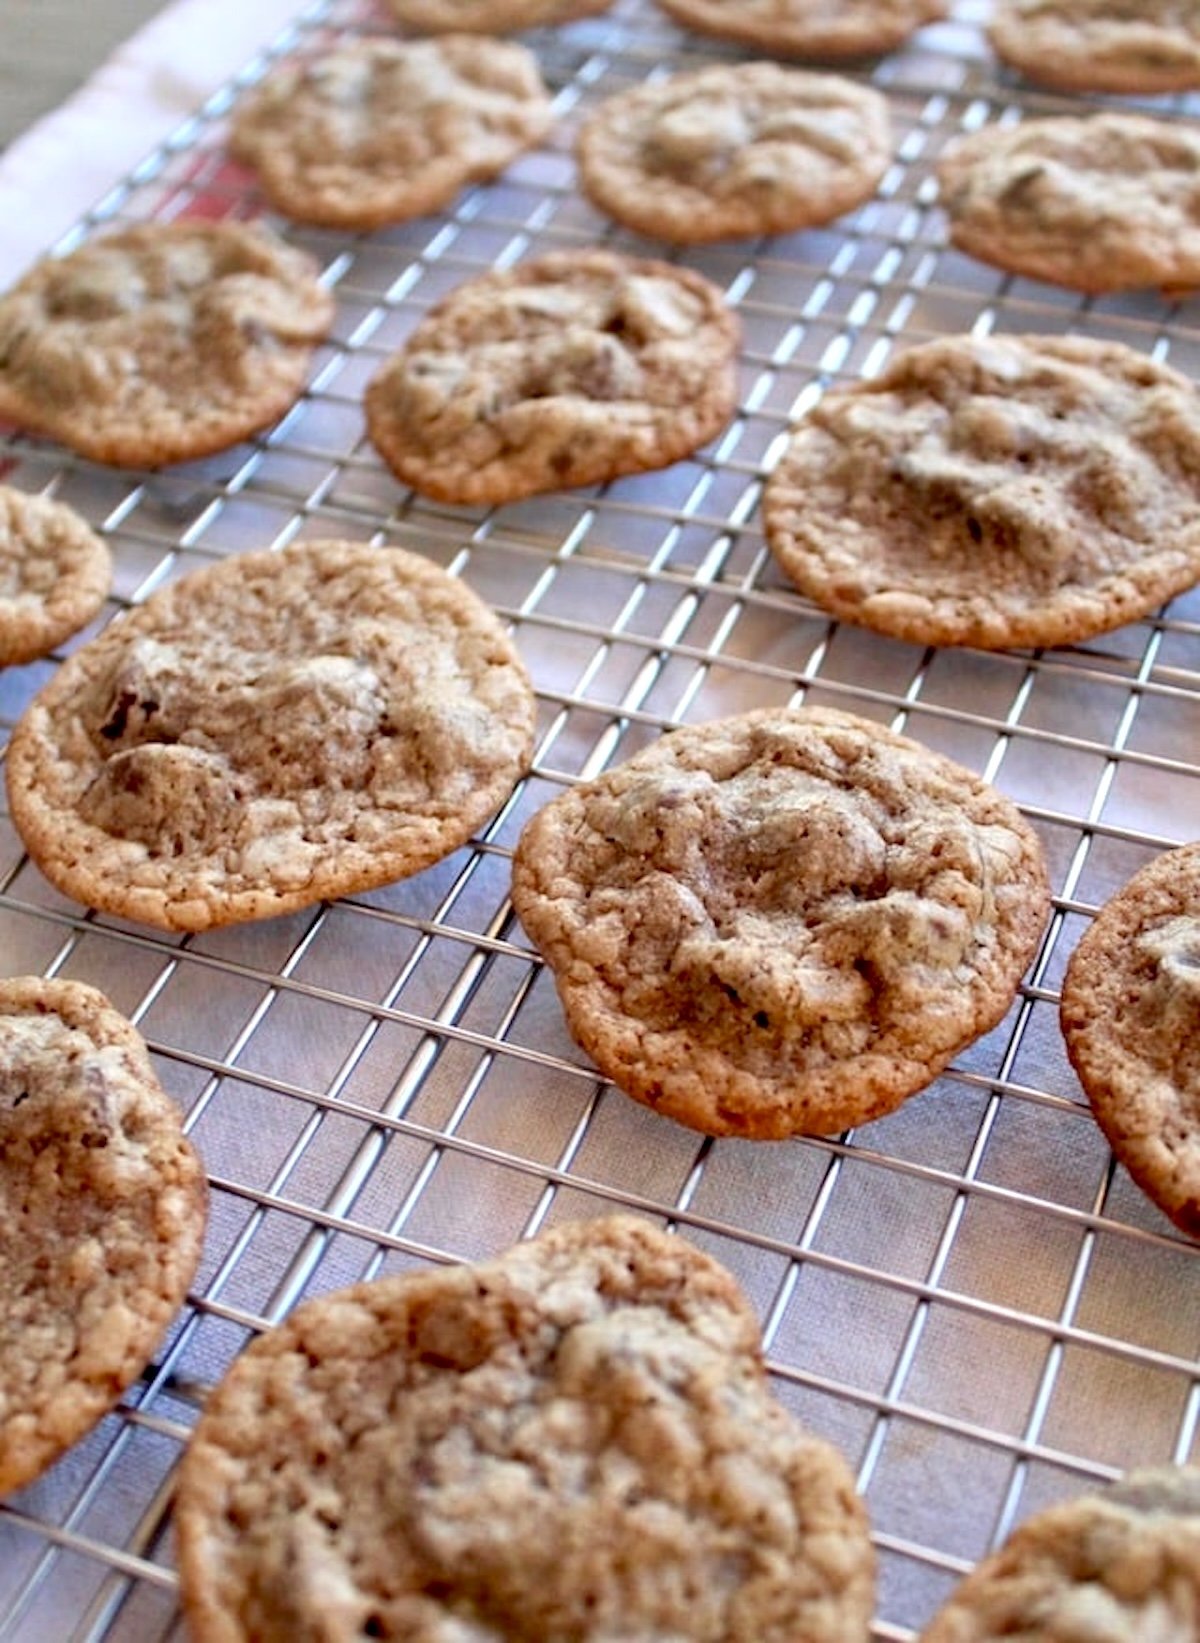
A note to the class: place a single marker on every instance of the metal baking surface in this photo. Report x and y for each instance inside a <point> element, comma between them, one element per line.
<point>966,1296</point>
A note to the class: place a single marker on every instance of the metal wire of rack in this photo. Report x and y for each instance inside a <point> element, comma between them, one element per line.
<point>967,1296</point>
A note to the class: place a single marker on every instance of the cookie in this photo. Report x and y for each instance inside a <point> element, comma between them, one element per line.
<point>375,130</point>
<point>102,1212</point>
<point>808,28</point>
<point>1131,1020</point>
<point>161,342</point>
<point>782,923</point>
<point>271,731</point>
<point>54,575</point>
<point>734,150</point>
<point>1101,45</point>
<point>994,491</point>
<point>1102,202</point>
<point>573,1441</point>
<point>568,370</point>
<point>1118,1566</point>
<point>490,16</point>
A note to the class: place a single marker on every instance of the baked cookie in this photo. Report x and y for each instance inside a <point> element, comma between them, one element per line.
<point>102,1211</point>
<point>734,150</point>
<point>268,732</point>
<point>782,923</point>
<point>378,130</point>
<point>575,1440</point>
<point>1118,1566</point>
<point>1131,1020</point>
<point>568,370</point>
<point>490,16</point>
<point>54,575</point>
<point>808,28</point>
<point>161,342</point>
<point>1101,45</point>
<point>994,491</point>
<point>1103,202</point>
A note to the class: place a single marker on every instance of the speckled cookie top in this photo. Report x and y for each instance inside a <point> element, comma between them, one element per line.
<point>1120,1566</point>
<point>1101,45</point>
<point>378,130</point>
<point>781,923</point>
<point>1131,1019</point>
<point>490,16</point>
<point>272,730</point>
<point>102,1209</point>
<point>808,28</point>
<point>733,150</point>
<point>1102,202</point>
<point>573,1441</point>
<point>995,491</point>
<point>567,370</point>
<point>54,575</point>
<point>161,342</point>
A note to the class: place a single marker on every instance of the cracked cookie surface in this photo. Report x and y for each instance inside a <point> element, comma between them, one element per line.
<point>782,923</point>
<point>54,575</point>
<point>808,28</point>
<point>994,491</point>
<point>571,369</point>
<point>102,1212</point>
<point>162,342</point>
<point>1118,1566</point>
<point>376,131</point>
<point>490,16</point>
<point>271,731</point>
<point>734,150</point>
<point>575,1440</point>
<point>1101,45</point>
<point>1131,1020</point>
<point>1102,202</point>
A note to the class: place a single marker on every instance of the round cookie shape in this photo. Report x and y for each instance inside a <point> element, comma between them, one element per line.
<point>994,491</point>
<point>571,369</point>
<point>783,923</point>
<point>1101,45</point>
<point>54,575</point>
<point>162,342</point>
<point>573,1440</point>
<point>490,16</point>
<point>102,1212</point>
<point>271,731</point>
<point>1131,1019</point>
<point>379,130</point>
<point>733,150</point>
<point>1122,1565</point>
<point>808,28</point>
<point>1100,202</point>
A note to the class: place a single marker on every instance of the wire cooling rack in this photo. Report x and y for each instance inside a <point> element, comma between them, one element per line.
<point>967,1296</point>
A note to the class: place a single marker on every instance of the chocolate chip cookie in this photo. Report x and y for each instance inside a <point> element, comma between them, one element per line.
<point>782,923</point>
<point>1119,1566</point>
<point>1131,1019</point>
<point>808,28</point>
<point>1098,202</point>
<point>752,148</point>
<point>1101,45</point>
<point>54,575</point>
<point>995,491</point>
<point>161,342</point>
<point>573,368</point>
<point>575,1440</point>
<point>273,730</point>
<point>490,16</point>
<point>376,130</point>
<point>102,1212</point>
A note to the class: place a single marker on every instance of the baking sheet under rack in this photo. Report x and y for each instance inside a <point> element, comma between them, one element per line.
<point>966,1296</point>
